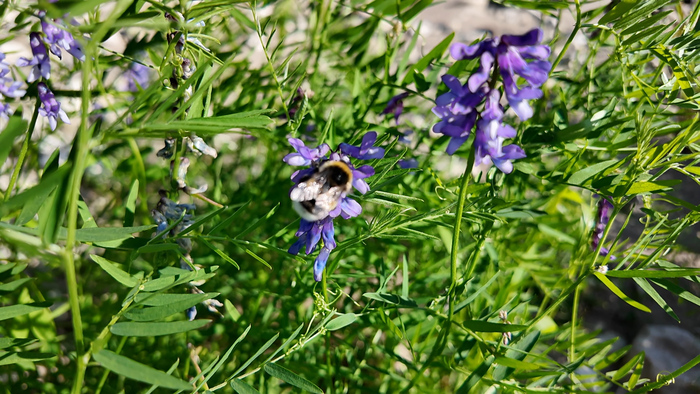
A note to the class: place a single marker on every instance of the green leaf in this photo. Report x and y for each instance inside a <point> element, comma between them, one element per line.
<point>48,183</point>
<point>211,125</point>
<point>517,351</point>
<point>7,358</point>
<point>15,127</point>
<point>152,329</point>
<point>665,380</point>
<point>14,285</point>
<point>649,289</point>
<point>130,204</point>
<point>476,375</point>
<point>580,176</point>
<point>20,342</point>
<point>485,326</point>
<point>242,387</point>
<point>115,272</point>
<point>158,299</point>
<point>647,187</point>
<point>134,370</point>
<point>219,252</point>
<point>677,290</point>
<point>160,312</point>
<point>625,369</point>
<point>647,273</point>
<point>341,321</point>
<point>290,377</point>
<point>620,9</point>
<point>392,299</point>
<point>103,234</point>
<point>256,355</point>
<point>616,290</point>
<point>223,359</point>
<point>423,63</point>
<point>8,312</point>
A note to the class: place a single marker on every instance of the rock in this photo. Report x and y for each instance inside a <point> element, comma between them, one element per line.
<point>666,349</point>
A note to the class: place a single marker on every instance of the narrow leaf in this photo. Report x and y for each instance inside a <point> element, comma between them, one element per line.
<point>290,377</point>
<point>160,312</point>
<point>8,312</point>
<point>616,290</point>
<point>152,329</point>
<point>341,321</point>
<point>115,272</point>
<point>134,370</point>
<point>242,387</point>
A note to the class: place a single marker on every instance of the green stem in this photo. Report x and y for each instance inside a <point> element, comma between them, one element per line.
<point>458,225</point>
<point>329,372</point>
<point>23,151</point>
<point>569,40</point>
<point>82,150</point>
<point>574,316</point>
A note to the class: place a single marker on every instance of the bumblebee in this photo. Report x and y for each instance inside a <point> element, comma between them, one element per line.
<point>319,192</point>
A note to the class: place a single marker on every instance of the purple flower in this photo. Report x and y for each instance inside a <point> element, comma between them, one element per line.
<point>50,107</point>
<point>490,134</point>
<point>58,39</point>
<point>511,53</point>
<point>8,86</point>
<point>457,112</point>
<point>5,111</point>
<point>191,313</point>
<point>408,163</point>
<point>304,155</point>
<point>602,219</point>
<point>310,233</point>
<point>137,77</point>
<point>395,106</point>
<point>41,67</point>
<point>366,150</point>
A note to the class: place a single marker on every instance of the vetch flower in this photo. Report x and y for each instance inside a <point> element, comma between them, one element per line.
<point>395,106</point>
<point>9,88</point>
<point>50,107</point>
<point>304,155</point>
<point>605,207</point>
<point>366,150</point>
<point>137,77</point>
<point>5,111</point>
<point>311,233</point>
<point>41,67</point>
<point>510,53</point>
<point>408,163</point>
<point>460,109</point>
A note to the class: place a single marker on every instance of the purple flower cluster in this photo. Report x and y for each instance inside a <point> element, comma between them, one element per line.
<point>57,40</point>
<point>458,109</point>
<point>310,233</point>
<point>395,106</point>
<point>602,219</point>
<point>9,88</point>
<point>50,107</point>
<point>138,76</point>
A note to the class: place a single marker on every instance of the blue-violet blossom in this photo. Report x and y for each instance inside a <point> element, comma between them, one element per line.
<point>310,233</point>
<point>602,219</point>
<point>41,67</point>
<point>58,38</point>
<point>50,107</point>
<point>9,88</point>
<point>395,106</point>
<point>458,109</point>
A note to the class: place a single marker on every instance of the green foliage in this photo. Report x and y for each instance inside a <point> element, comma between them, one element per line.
<point>442,284</point>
